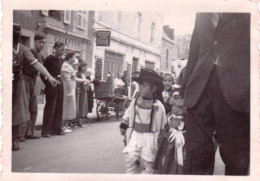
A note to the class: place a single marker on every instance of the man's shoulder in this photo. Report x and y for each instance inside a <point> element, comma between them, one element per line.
<point>24,49</point>
<point>36,54</point>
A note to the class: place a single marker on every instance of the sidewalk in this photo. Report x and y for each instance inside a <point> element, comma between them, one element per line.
<point>91,116</point>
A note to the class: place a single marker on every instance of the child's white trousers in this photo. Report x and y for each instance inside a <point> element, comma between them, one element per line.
<point>142,148</point>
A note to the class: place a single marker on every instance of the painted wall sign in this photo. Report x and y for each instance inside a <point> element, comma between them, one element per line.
<point>103,38</point>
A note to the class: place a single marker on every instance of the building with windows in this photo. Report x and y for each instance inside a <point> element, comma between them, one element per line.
<point>74,28</point>
<point>135,37</point>
<point>71,27</point>
<point>183,43</point>
<point>169,49</point>
<point>135,42</point>
<point>181,51</point>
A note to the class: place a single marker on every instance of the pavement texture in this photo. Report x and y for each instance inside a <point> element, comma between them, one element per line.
<point>97,148</point>
<point>39,119</point>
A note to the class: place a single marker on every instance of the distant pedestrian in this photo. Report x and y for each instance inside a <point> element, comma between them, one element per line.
<point>146,116</point>
<point>135,88</point>
<point>134,85</point>
<point>118,85</point>
<point>110,81</point>
<point>125,87</point>
<point>168,82</point>
<point>90,90</point>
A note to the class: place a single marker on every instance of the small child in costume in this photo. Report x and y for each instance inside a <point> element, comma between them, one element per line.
<point>171,151</point>
<point>146,116</point>
<point>168,82</point>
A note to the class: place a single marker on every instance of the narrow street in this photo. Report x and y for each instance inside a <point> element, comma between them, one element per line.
<point>97,148</point>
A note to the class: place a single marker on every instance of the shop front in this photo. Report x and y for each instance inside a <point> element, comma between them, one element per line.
<point>149,64</point>
<point>113,63</point>
<point>71,43</point>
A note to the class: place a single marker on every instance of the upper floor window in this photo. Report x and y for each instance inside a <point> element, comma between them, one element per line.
<point>67,17</point>
<point>82,19</point>
<point>99,16</point>
<point>55,14</point>
<point>139,23</point>
<point>117,17</point>
<point>166,58</point>
<point>152,32</point>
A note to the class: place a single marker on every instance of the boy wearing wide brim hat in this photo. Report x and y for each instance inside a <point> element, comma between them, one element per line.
<point>146,116</point>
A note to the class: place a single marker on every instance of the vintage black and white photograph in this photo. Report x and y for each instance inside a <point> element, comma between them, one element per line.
<point>131,92</point>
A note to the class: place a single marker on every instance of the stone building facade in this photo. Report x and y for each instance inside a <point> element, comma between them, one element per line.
<point>135,42</point>
<point>74,28</point>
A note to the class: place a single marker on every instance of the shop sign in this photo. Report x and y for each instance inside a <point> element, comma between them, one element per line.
<point>70,43</point>
<point>103,38</point>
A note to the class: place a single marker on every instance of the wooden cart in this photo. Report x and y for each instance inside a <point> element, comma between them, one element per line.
<point>108,102</point>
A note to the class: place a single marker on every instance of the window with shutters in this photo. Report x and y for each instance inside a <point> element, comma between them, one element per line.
<point>82,19</point>
<point>166,58</point>
<point>117,19</point>
<point>149,65</point>
<point>138,23</point>
<point>67,17</point>
<point>152,32</point>
<point>55,14</point>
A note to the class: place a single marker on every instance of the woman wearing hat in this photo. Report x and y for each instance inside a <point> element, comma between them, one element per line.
<point>20,112</point>
<point>69,79</point>
<point>146,116</point>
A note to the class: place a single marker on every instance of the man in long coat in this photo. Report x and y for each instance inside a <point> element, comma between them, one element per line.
<point>216,90</point>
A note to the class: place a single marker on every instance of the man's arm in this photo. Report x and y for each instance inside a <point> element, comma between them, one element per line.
<point>38,66</point>
<point>29,58</point>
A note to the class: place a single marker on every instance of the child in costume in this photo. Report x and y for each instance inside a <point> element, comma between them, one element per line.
<point>171,151</point>
<point>168,82</point>
<point>146,116</point>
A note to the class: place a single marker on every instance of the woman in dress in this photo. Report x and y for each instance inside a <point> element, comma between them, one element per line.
<point>69,87</point>
<point>20,111</point>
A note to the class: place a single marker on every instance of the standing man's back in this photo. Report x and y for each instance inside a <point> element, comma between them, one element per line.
<point>216,90</point>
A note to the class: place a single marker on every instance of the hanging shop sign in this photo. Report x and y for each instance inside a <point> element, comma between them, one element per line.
<point>103,38</point>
